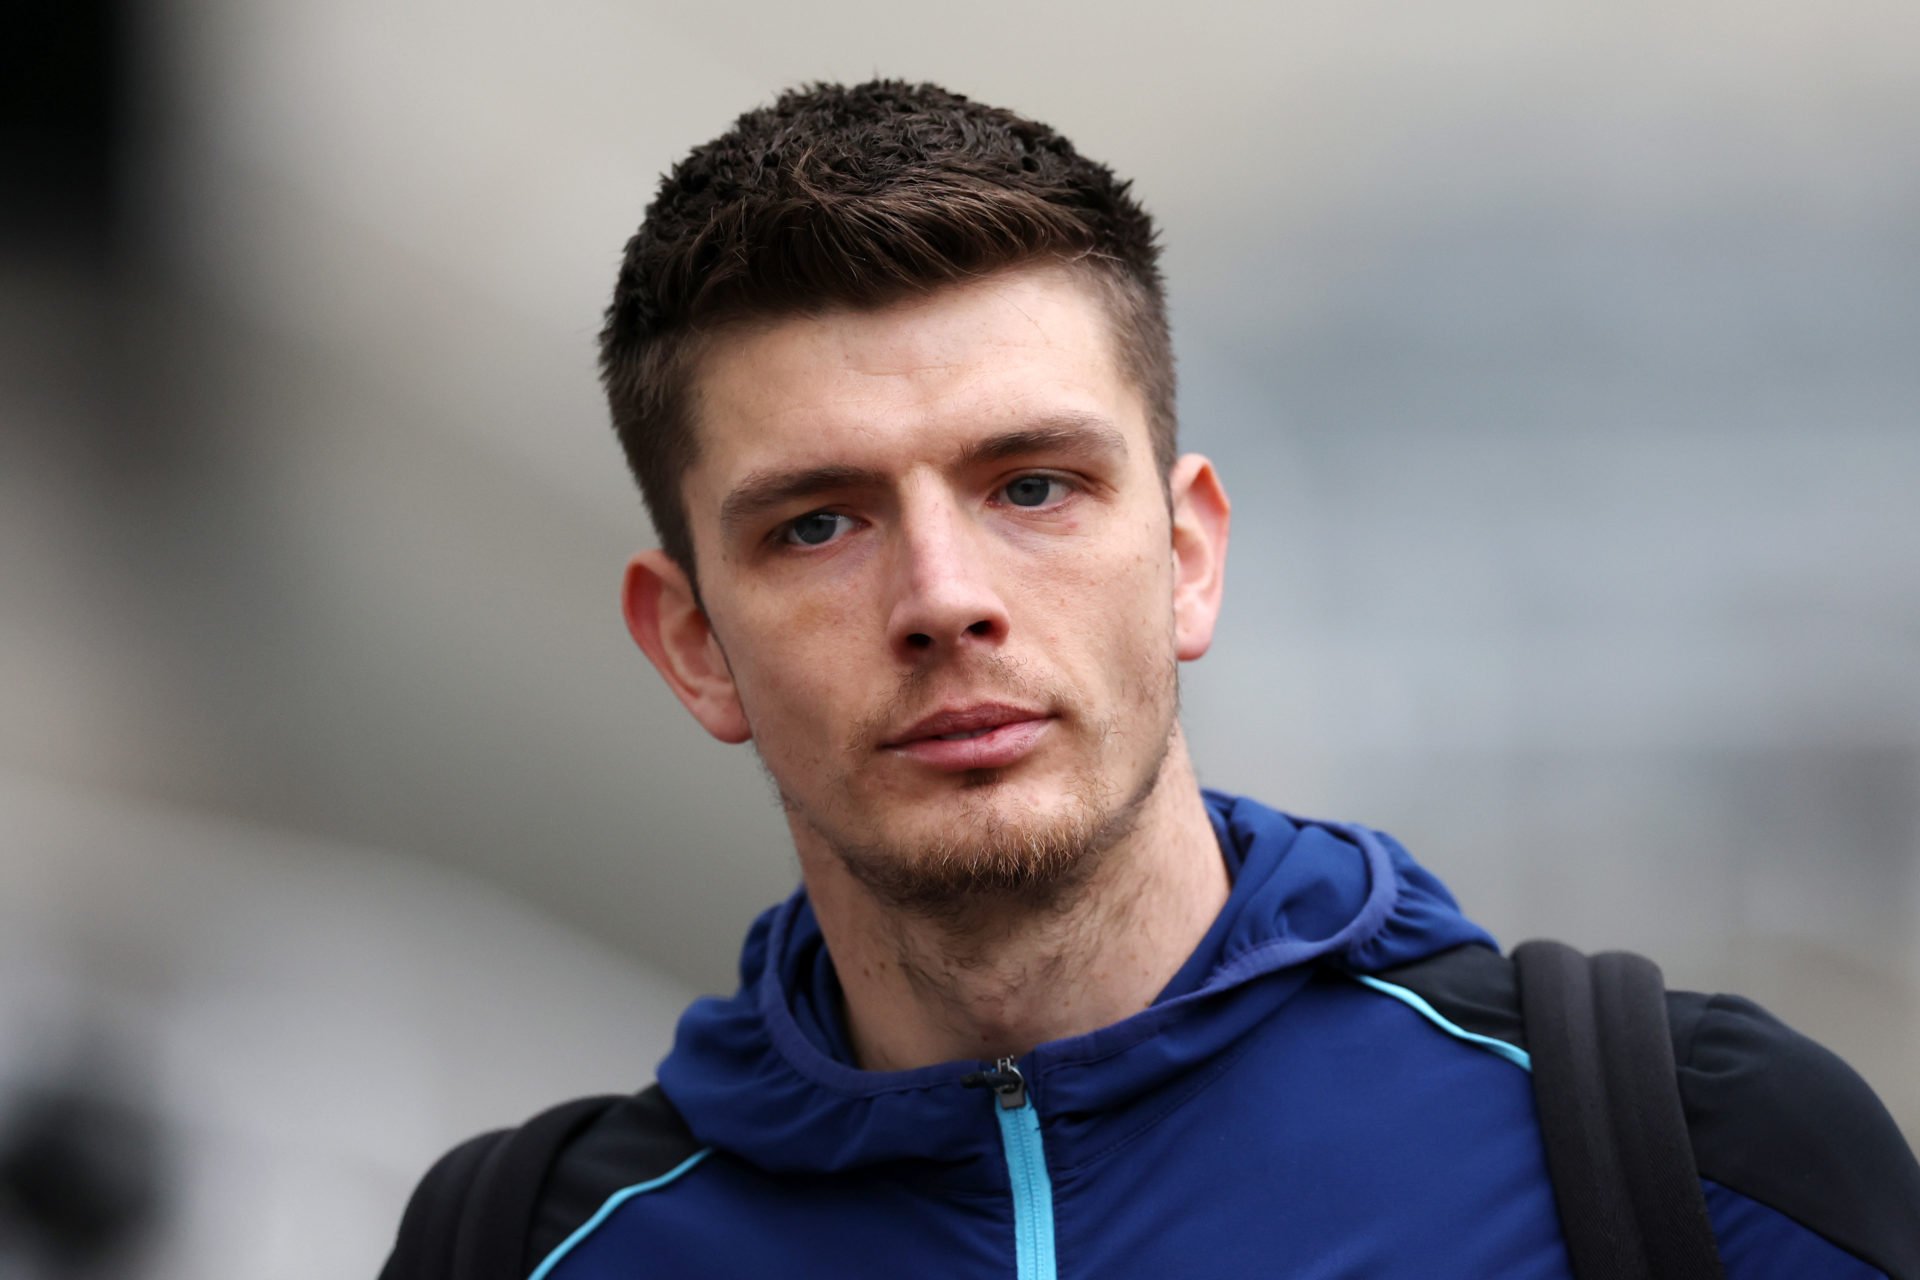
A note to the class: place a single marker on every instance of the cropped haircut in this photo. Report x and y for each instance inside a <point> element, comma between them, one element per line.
<point>859,196</point>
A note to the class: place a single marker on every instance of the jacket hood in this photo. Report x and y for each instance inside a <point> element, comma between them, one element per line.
<point>765,1074</point>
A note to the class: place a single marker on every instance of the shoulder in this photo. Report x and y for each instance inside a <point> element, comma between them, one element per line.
<point>1774,1117</point>
<point>635,1143</point>
<point>501,1202</point>
<point>1782,1120</point>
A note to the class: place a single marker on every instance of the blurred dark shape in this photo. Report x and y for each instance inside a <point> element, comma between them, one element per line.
<point>62,122</point>
<point>80,1178</point>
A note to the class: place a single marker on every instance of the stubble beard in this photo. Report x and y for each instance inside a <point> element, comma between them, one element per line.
<point>996,853</point>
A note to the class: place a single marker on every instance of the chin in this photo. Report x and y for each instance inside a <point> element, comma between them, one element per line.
<point>992,841</point>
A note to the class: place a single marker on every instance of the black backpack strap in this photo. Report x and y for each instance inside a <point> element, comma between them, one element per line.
<point>472,1215</point>
<point>638,1139</point>
<point>424,1248</point>
<point>1606,1087</point>
<point>493,1241</point>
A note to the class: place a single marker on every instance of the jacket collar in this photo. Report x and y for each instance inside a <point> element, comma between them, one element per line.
<point>765,1074</point>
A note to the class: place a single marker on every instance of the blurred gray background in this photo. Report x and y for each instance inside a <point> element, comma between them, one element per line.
<point>1561,362</point>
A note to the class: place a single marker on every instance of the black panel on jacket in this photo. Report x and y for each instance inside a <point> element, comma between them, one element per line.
<point>1472,985</point>
<point>634,1140</point>
<point>1773,1115</point>
<point>1779,1118</point>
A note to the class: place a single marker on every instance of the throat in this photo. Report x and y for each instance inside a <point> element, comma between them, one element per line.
<point>1001,993</point>
<point>998,978</point>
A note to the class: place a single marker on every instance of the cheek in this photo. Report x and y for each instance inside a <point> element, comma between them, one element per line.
<point>1110,599</point>
<point>802,665</point>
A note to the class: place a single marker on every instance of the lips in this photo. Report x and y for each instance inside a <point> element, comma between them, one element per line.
<point>965,721</point>
<point>983,736</point>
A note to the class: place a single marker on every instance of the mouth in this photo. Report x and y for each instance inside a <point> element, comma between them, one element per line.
<point>982,736</point>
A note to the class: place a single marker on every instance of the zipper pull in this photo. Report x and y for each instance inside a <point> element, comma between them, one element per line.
<point>1006,1082</point>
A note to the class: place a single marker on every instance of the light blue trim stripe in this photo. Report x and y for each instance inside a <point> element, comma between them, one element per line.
<point>614,1201</point>
<point>1413,1000</point>
<point>1032,1192</point>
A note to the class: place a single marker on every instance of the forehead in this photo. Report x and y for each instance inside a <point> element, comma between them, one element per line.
<point>914,381</point>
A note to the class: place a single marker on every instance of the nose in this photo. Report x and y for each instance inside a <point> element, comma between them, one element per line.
<point>944,596</point>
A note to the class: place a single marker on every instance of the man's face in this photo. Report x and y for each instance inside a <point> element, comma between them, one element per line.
<point>935,554</point>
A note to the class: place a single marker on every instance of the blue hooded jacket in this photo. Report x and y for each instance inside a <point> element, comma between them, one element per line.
<point>1281,1109</point>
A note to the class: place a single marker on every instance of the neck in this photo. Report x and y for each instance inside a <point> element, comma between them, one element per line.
<point>997,980</point>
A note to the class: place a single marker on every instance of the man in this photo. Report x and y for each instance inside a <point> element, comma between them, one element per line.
<point>893,372</point>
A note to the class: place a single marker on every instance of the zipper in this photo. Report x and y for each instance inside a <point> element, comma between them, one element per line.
<point>1026,1169</point>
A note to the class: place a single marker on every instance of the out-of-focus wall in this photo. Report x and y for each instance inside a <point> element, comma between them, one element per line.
<point>282,1030</point>
<point>1559,362</point>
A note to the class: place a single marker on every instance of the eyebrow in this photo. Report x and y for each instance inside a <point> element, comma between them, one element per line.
<point>764,491</point>
<point>1087,435</point>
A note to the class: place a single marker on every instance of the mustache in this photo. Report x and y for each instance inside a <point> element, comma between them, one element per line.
<point>988,677</point>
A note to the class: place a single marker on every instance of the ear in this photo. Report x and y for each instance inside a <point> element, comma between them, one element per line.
<point>671,627</point>
<point>1201,514</point>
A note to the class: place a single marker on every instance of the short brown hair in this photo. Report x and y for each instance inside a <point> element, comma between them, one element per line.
<point>859,196</point>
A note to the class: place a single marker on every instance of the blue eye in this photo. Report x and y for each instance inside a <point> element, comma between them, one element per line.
<point>816,529</point>
<point>1032,491</point>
